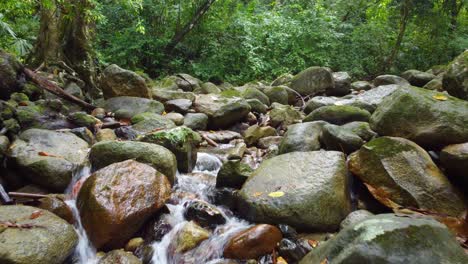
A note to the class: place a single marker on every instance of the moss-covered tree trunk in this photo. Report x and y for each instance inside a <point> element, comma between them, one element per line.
<point>66,34</point>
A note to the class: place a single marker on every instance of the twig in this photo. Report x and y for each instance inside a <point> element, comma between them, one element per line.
<point>27,195</point>
<point>209,140</point>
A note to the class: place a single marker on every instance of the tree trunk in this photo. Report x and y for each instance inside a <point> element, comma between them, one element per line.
<point>181,34</point>
<point>405,13</point>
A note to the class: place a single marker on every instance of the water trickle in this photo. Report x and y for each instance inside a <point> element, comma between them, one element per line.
<point>199,187</point>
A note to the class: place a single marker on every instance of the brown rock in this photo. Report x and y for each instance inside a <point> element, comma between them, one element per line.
<point>115,201</point>
<point>55,204</point>
<point>253,242</point>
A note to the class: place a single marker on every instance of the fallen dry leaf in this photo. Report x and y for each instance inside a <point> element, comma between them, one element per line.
<point>440,97</point>
<point>45,154</point>
<point>257,194</point>
<point>35,214</point>
<point>313,243</point>
<point>281,260</point>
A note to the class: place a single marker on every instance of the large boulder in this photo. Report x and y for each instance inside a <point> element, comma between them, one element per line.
<point>256,132</point>
<point>361,86</point>
<point>48,158</point>
<point>38,237</point>
<point>127,106</point>
<point>307,190</point>
<point>164,95</point>
<point>339,138</point>
<point>115,201</point>
<point>313,80</point>
<point>302,137</point>
<point>148,122</point>
<point>189,237</point>
<point>277,94</point>
<point>455,79</point>
<point>418,78</point>
<point>106,153</point>
<point>342,84</point>
<point>222,111</point>
<point>182,141</point>
<point>338,114</point>
<point>233,174</point>
<point>116,81</point>
<point>196,121</point>
<point>284,115</point>
<point>390,239</point>
<point>400,173</point>
<point>9,70</point>
<point>390,79</point>
<point>426,117</point>
<point>254,93</point>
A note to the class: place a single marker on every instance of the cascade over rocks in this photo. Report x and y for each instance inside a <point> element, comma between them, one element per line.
<point>116,200</point>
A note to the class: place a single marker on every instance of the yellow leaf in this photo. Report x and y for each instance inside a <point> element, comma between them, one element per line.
<point>257,194</point>
<point>440,97</point>
<point>281,260</point>
<point>164,113</point>
<point>276,194</point>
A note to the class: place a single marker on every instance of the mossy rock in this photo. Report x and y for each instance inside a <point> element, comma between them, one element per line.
<point>338,114</point>
<point>312,81</point>
<point>254,93</point>
<point>147,122</point>
<point>233,174</point>
<point>116,81</point>
<point>277,94</point>
<point>284,115</point>
<point>10,67</point>
<point>257,106</point>
<point>255,133</point>
<point>127,106</point>
<point>302,137</point>
<point>164,95</point>
<point>455,80</point>
<point>196,121</point>
<point>82,119</point>
<point>337,138</point>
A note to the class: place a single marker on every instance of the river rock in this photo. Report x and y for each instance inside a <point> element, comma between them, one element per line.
<point>307,190</point>
<point>400,173</point>
<point>391,239</point>
<point>283,79</point>
<point>390,79</point>
<point>48,240</point>
<point>342,84</point>
<point>268,142</point>
<point>221,111</point>
<point>277,94</point>
<point>355,217</point>
<point>4,144</point>
<point>81,119</point>
<point>233,174</point>
<point>312,81</point>
<point>178,105</point>
<point>256,106</point>
<point>106,153</point>
<point>48,158</point>
<point>196,121</point>
<point>10,67</point>
<point>435,84</point>
<point>302,137</point>
<point>164,95</point>
<point>55,203</point>
<point>284,115</point>
<point>254,93</point>
<point>429,118</point>
<point>182,141</point>
<point>204,214</point>
<point>253,243</point>
<point>338,138</point>
<point>454,159</point>
<point>338,114</point>
<point>361,86</point>
<point>190,236</point>
<point>116,200</point>
<point>127,107</point>
<point>208,88</point>
<point>362,129</point>
<point>256,132</point>
<point>116,81</point>
<point>177,118</point>
<point>119,257</point>
<point>148,122</point>
<point>187,82</point>
<point>455,80</point>
<point>105,134</point>
<point>418,78</point>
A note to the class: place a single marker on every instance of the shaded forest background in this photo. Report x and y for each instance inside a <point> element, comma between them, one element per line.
<point>238,40</point>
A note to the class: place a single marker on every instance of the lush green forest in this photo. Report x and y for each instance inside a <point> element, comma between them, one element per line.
<point>244,40</point>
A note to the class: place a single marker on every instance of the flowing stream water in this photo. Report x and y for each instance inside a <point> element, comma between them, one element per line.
<point>200,186</point>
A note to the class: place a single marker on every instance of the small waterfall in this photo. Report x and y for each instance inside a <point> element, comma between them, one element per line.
<point>84,251</point>
<point>212,248</point>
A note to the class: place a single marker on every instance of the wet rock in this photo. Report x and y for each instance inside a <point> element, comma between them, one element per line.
<point>116,200</point>
<point>401,173</point>
<point>233,174</point>
<point>204,214</point>
<point>255,132</point>
<point>178,105</point>
<point>338,114</point>
<point>362,129</point>
<point>148,122</point>
<point>355,217</point>
<point>190,236</point>
<point>126,132</point>
<point>253,243</point>
<point>338,138</point>
<point>177,118</point>
<point>307,190</point>
<point>312,81</point>
<point>418,78</point>
<point>416,114</point>
<point>126,107</point>
<point>133,244</point>
<point>54,203</point>
<point>455,80</point>
<point>84,133</point>
<point>361,86</point>
<point>390,79</point>
<point>156,228</point>
<point>293,250</point>
<point>49,239</point>
<point>256,106</point>
<point>379,238</point>
<point>106,153</point>
<point>454,160</point>
<point>48,158</point>
<point>196,121</point>
<point>267,142</point>
<point>277,94</point>
<point>182,141</point>
<point>222,111</point>
<point>10,68</point>
<point>105,134</point>
<point>116,81</point>
<point>342,84</point>
<point>302,137</point>
<point>119,257</point>
<point>224,196</point>
<point>237,152</point>
<point>284,115</point>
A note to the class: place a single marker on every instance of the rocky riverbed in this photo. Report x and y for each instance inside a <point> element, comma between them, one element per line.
<point>314,168</point>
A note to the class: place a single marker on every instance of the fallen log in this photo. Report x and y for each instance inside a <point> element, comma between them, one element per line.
<point>55,89</point>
